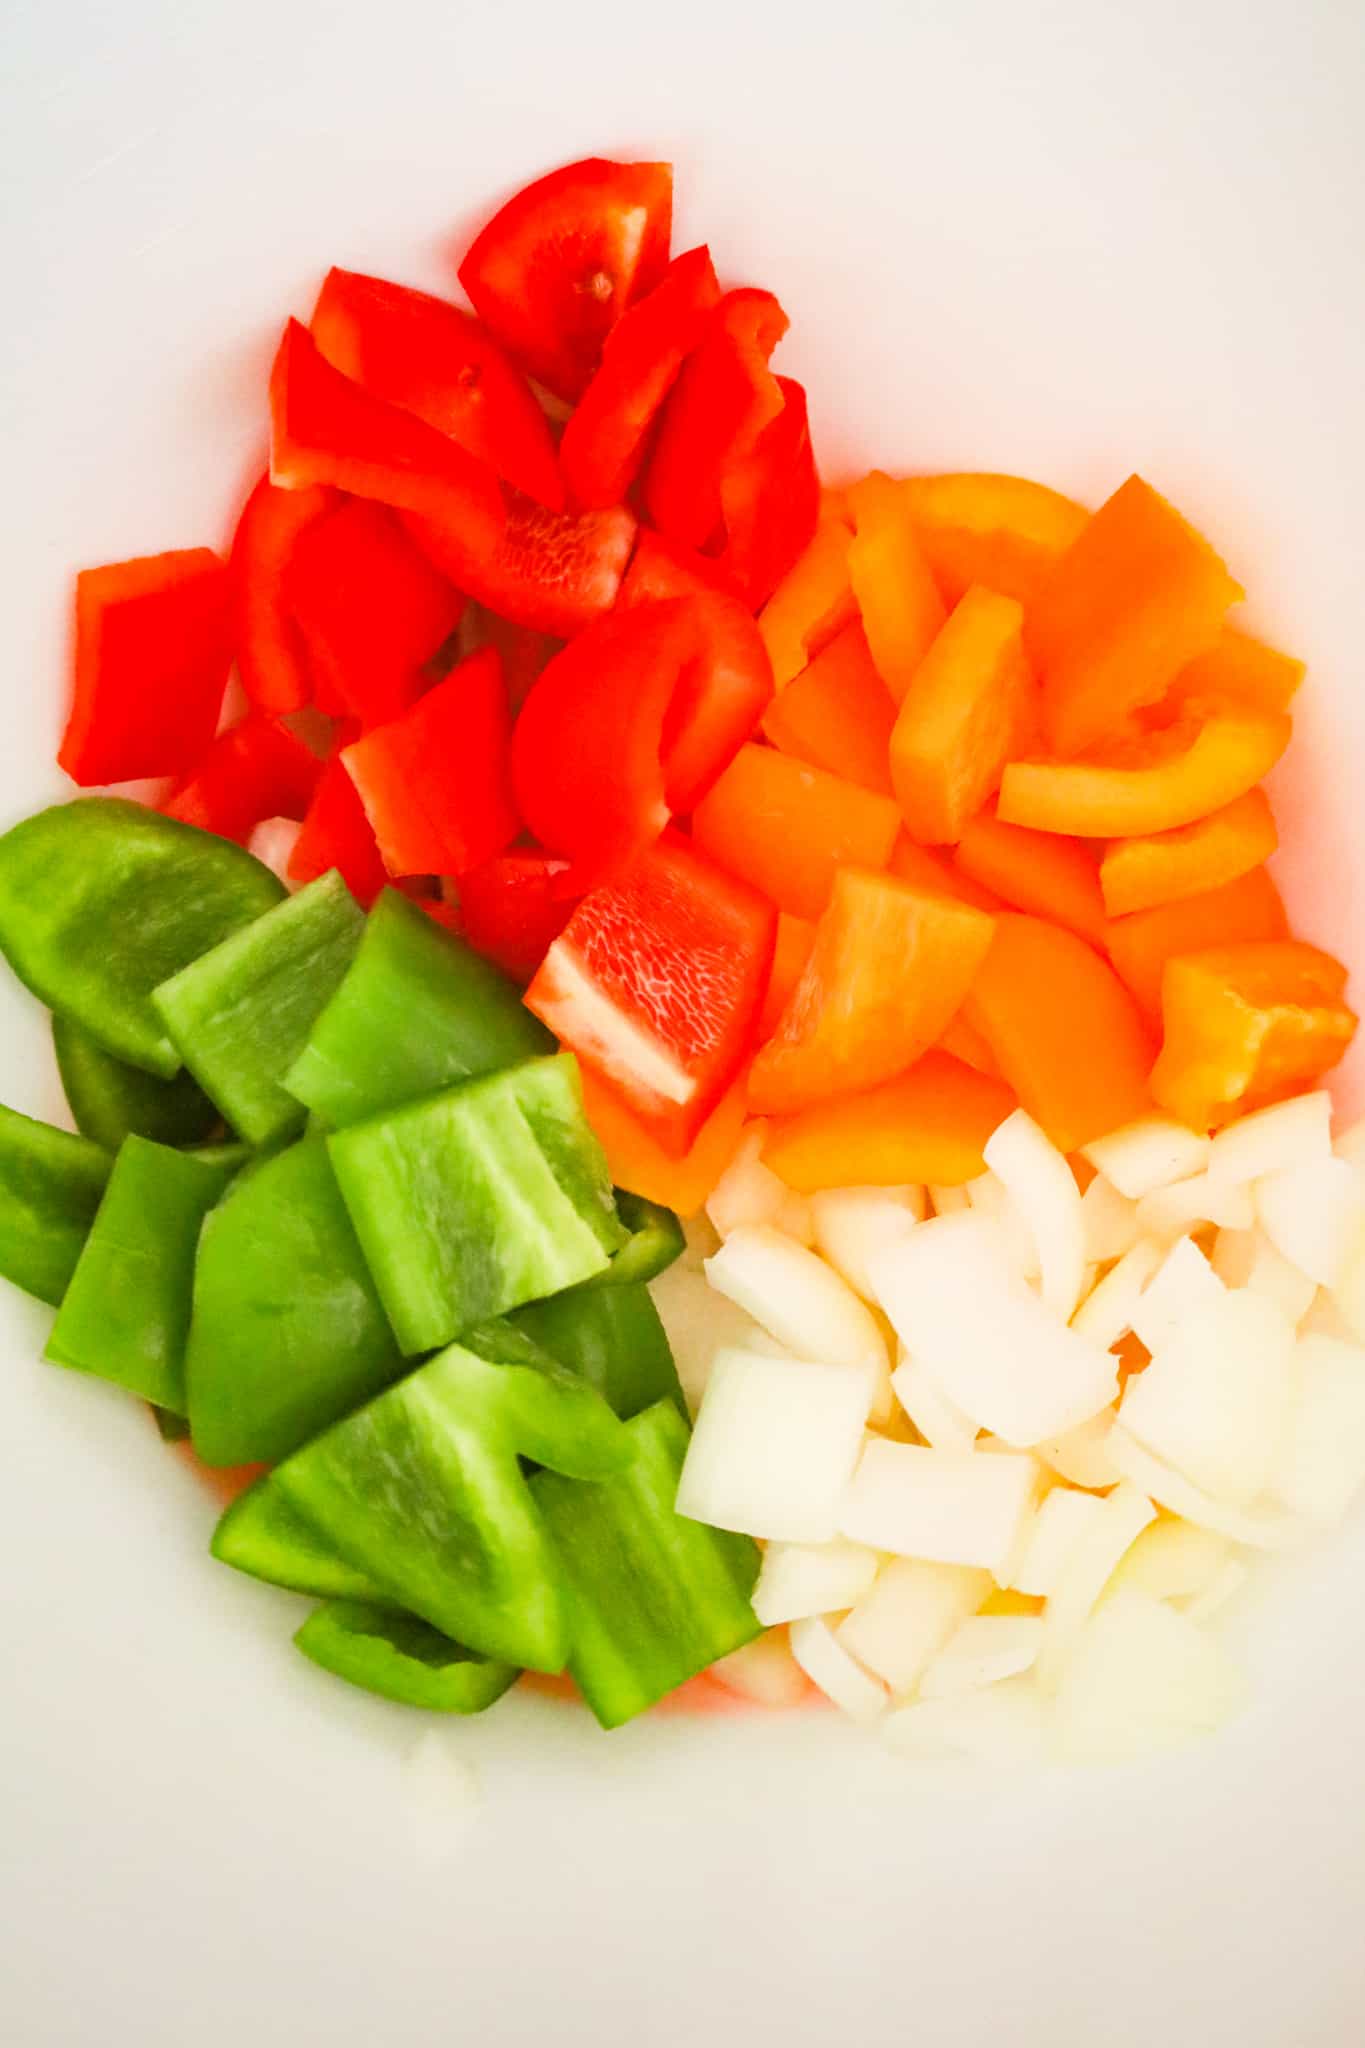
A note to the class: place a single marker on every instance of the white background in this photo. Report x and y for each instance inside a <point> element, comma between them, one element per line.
<point>1061,238</point>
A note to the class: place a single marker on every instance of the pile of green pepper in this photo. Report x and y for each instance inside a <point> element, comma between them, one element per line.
<point>334,1206</point>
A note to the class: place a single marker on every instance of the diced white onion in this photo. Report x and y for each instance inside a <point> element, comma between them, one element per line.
<point>1313,1214</point>
<point>984,1650</point>
<point>1105,1317</point>
<point>1293,1133</point>
<point>776,1442</point>
<point>1171,1560</point>
<point>1043,1189</point>
<point>1108,1220</point>
<point>1215,1398</point>
<point>1247,1259</point>
<point>939,1421</point>
<point>1082,1456</point>
<point>1216,1595</point>
<point>828,1665</point>
<point>1259,1529</point>
<point>1350,1145</point>
<point>1001,1725</point>
<point>851,1223</point>
<point>947,1201</point>
<point>988,1196</point>
<point>1142,1677</point>
<point>1348,1296</point>
<point>1152,1153</point>
<point>749,1192</point>
<point>1169,1212</point>
<point>797,1298</point>
<point>914,1608</point>
<point>1122,1517</point>
<point>764,1671</point>
<point>948,1506</point>
<point>1051,1534</point>
<point>273,842</point>
<point>1184,1282</point>
<point>797,1579</point>
<point>701,1323</point>
<point>1321,1471</point>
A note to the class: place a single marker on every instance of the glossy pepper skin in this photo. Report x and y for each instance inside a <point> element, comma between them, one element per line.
<point>401,1658</point>
<point>110,1101</point>
<point>271,658</point>
<point>51,1185</point>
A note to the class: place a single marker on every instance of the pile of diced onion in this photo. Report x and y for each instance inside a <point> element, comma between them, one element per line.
<point>1009,1447</point>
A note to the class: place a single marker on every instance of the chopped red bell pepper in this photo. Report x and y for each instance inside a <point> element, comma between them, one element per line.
<point>435,783</point>
<point>553,572</point>
<point>371,609</point>
<point>254,770</point>
<point>512,911</point>
<point>326,429</point>
<point>153,649</point>
<point>556,267</point>
<point>433,359</point>
<point>604,441</point>
<point>271,659</point>
<point>770,500</point>
<point>723,399</point>
<point>337,834</point>
<point>656,983</point>
<point>525,653</point>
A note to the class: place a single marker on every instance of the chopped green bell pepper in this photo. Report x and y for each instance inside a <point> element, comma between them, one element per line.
<point>111,1101</point>
<point>101,900</point>
<point>240,1015</point>
<point>126,1313</point>
<point>50,1187</point>
<point>472,1202</point>
<point>402,1659</point>
<point>611,1337</point>
<point>656,1240</point>
<point>263,1534</point>
<point>417,1012</point>
<point>653,1597</point>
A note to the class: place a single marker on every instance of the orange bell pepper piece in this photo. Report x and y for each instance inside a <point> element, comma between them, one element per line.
<point>1247,1024</point>
<point>791,951</point>
<point>1138,596</point>
<point>811,603</point>
<point>1138,874</point>
<point>1161,781</point>
<point>1002,531</point>
<point>935,873</point>
<point>639,1162</point>
<point>889,968</point>
<point>1242,670</point>
<point>967,711</point>
<point>1066,1034</point>
<point>897,596</point>
<point>928,1125</point>
<point>1140,945</point>
<point>837,714</point>
<point>785,827</point>
<point>965,1043</point>
<point>1035,871</point>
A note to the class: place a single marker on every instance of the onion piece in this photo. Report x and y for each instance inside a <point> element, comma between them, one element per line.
<point>776,1442</point>
<point>1322,1470</point>
<point>1293,1133</point>
<point>984,1650</point>
<point>851,1223</point>
<point>1214,1400</point>
<point>1122,1517</point>
<point>1350,1146</point>
<point>700,1325</point>
<point>750,1192</point>
<point>1183,1283</point>
<point>797,1298</point>
<point>1142,1677</point>
<point>1171,1560</point>
<point>939,1421</point>
<point>1105,1317</point>
<point>1313,1214</point>
<point>764,1671</point>
<point>1216,1595</point>
<point>1260,1529</point>
<point>1348,1296</point>
<point>1002,1725</point>
<point>828,1665</point>
<point>947,1506</point>
<point>898,1628</point>
<point>1154,1152</point>
<point>1108,1222</point>
<point>1170,1212</point>
<point>1042,1187</point>
<point>799,1579</point>
<point>1063,1520</point>
<point>988,1196</point>
<point>1247,1259</point>
<point>1082,1456</point>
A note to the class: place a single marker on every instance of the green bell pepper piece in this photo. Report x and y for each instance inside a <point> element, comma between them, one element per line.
<point>423,1491</point>
<point>101,900</point>
<point>50,1187</point>
<point>417,1012</point>
<point>230,1155</point>
<point>402,1659</point>
<point>472,1202</point>
<point>263,1534</point>
<point>111,1101</point>
<point>613,1338</point>
<point>240,1015</point>
<point>127,1311</point>
<point>653,1597</point>
<point>288,1333</point>
<point>656,1240</point>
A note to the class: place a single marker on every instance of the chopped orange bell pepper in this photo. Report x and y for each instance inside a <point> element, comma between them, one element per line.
<point>1066,1034</point>
<point>897,596</point>
<point>965,1043</point>
<point>1247,1024</point>
<point>928,1125</point>
<point>795,937</point>
<point>967,711</point>
<point>1002,531</point>
<point>837,714</point>
<point>1140,945</point>
<point>785,827</point>
<point>1158,782</point>
<point>1243,670</point>
<point>1138,596</point>
<point>639,1162</point>
<point>936,873</point>
<point>1137,874</point>
<point>811,603</point>
<point>889,968</point>
<point>1035,871</point>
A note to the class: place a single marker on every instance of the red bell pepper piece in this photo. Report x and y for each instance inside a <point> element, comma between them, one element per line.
<point>270,654</point>
<point>656,983</point>
<point>337,834</point>
<point>725,689</point>
<point>556,267</point>
<point>254,770</point>
<point>371,609</point>
<point>770,500</point>
<point>437,361</point>
<point>604,441</point>
<point>326,429</point>
<point>435,783</point>
<point>512,910</point>
<point>524,653</point>
<point>722,401</point>
<point>552,572</point>
<point>153,649</point>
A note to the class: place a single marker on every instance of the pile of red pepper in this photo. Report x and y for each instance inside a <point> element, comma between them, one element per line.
<point>532,644</point>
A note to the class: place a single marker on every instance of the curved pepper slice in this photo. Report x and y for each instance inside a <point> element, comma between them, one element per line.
<point>786,828</point>
<point>551,572</point>
<point>337,834</point>
<point>401,1658</point>
<point>1039,872</point>
<point>1003,531</point>
<point>1138,874</point>
<point>896,594</point>
<point>967,708</point>
<point>1140,945</point>
<point>1246,1025</point>
<point>51,1185</point>
<point>254,770</point>
<point>770,500</point>
<point>111,1101</point>
<point>722,401</point>
<point>930,1124</point>
<point>812,603</point>
<point>434,360</point>
<point>512,909</point>
<point>1242,670</point>
<point>837,713</point>
<point>271,659</point>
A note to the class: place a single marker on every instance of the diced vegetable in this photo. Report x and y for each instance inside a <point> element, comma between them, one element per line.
<point>1105,1317</point>
<point>255,769</point>
<point>1248,1022</point>
<point>611,1337</point>
<point>1321,1470</point>
<point>1038,872</point>
<point>986,1649</point>
<point>749,1192</point>
<point>898,600</point>
<point>401,1658</point>
<point>838,1676</point>
<point>549,572</point>
<point>770,500</point>
<point>263,1534</point>
<point>1242,670</point>
<point>1152,1153</point>
<point>511,911</point>
<point>51,1185</point>
<point>1215,1399</point>
<point>655,1241</point>
<point>271,659</point>
<point>1141,945</point>
<point>1141,1677</point>
<point>1003,531</point>
<point>1182,1284</point>
<point>786,828</point>
<point>1082,1456</point>
<point>1171,1560</point>
<point>799,1579</point>
<point>964,713</point>
<point>851,1224</point>
<point>1138,874</point>
<point>946,1506</point>
<point>763,1672</point>
<point>336,833</point>
<point>930,1125</point>
<point>813,602</point>
<point>797,1299</point>
<point>1287,1134</point>
<point>638,1160</point>
<point>111,1101</point>
<point>899,1626</point>
<point>1003,1725</point>
<point>837,714</point>
<point>723,399</point>
<point>272,842</point>
<point>1043,1188</point>
<point>1063,1520</point>
<point>1247,1259</point>
<point>1187,1204</point>
<point>1109,1224</point>
<point>1090,1563</point>
<point>939,1420</point>
<point>1313,1215</point>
